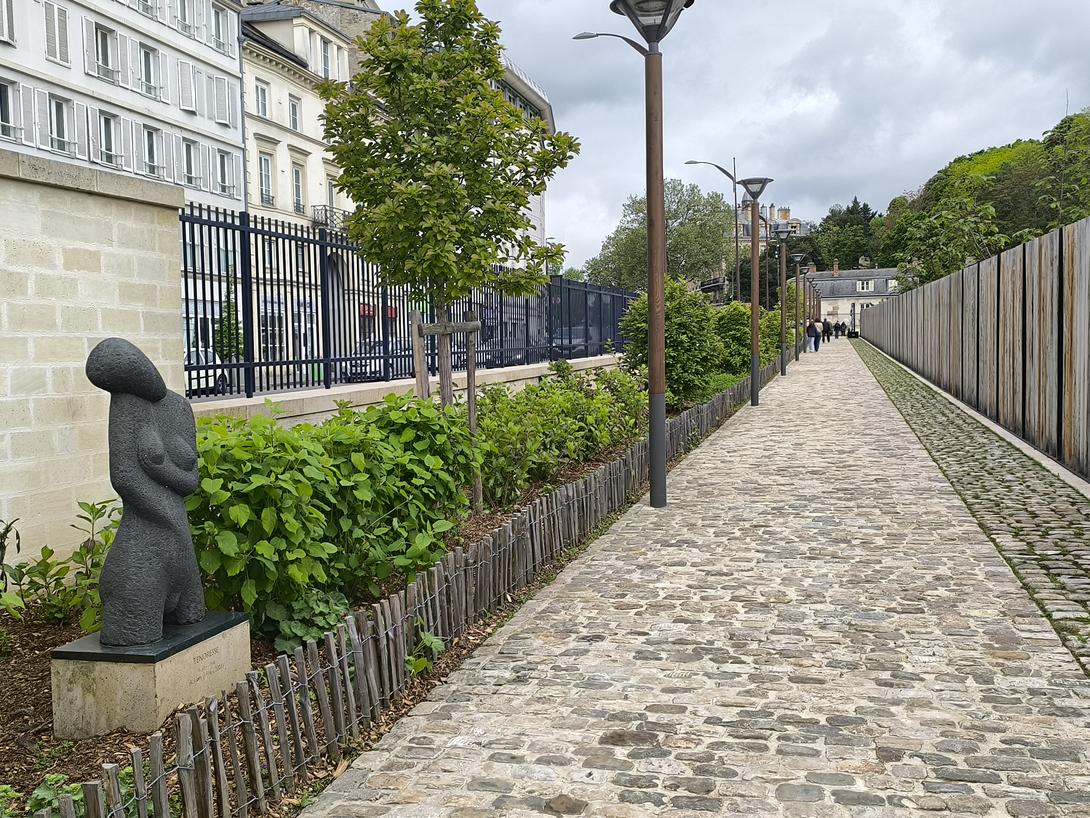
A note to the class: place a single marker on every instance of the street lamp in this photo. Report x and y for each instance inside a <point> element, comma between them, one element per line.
<point>796,259</point>
<point>653,19</point>
<point>755,186</point>
<point>734,185</point>
<point>782,230</point>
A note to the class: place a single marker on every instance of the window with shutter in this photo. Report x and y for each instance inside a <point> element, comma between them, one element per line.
<point>127,149</point>
<point>222,102</point>
<point>80,114</point>
<point>60,124</point>
<point>164,85</point>
<point>8,107</point>
<point>7,21</point>
<point>26,121</point>
<point>186,100</point>
<point>56,33</point>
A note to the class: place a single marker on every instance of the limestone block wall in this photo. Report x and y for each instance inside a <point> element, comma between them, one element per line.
<point>84,254</point>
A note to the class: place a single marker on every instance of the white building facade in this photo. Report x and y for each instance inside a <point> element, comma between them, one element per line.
<point>144,87</point>
<point>287,52</point>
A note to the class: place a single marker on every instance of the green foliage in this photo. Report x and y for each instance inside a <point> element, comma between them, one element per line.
<point>530,436</point>
<point>439,163</point>
<point>62,589</point>
<point>9,797</point>
<point>732,325</point>
<point>429,647</point>
<point>228,340</point>
<point>306,617</point>
<point>699,239</point>
<point>693,350</point>
<point>47,794</point>
<point>284,513</point>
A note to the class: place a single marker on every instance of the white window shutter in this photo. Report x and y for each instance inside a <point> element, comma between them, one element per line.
<point>90,54</point>
<point>42,98</point>
<point>161,10</point>
<point>179,160</point>
<point>238,179</point>
<point>50,30</point>
<point>232,104</point>
<point>138,148</point>
<point>206,168</point>
<point>165,143</point>
<point>170,8</point>
<point>163,78</point>
<point>26,97</point>
<point>80,112</point>
<point>136,65</point>
<point>222,87</point>
<point>185,86</point>
<point>232,33</point>
<point>200,18</point>
<point>127,144</point>
<point>95,131</point>
<point>123,62</point>
<point>62,34</point>
<point>8,32</point>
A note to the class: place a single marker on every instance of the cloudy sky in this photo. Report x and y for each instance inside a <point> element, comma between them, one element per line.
<point>832,98</point>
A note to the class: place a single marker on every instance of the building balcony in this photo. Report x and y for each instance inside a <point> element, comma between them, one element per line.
<point>330,217</point>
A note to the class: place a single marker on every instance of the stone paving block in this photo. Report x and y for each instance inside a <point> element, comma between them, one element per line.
<point>779,641</point>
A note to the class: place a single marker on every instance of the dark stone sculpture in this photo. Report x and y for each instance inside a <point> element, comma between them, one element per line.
<point>150,576</point>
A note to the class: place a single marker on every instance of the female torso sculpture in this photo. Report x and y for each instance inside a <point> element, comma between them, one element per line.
<point>150,576</point>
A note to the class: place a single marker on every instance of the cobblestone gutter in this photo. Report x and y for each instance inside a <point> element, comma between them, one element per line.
<point>1039,524</point>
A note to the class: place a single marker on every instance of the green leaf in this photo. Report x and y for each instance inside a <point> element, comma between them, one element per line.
<point>239,514</point>
<point>227,542</point>
<point>249,593</point>
<point>268,519</point>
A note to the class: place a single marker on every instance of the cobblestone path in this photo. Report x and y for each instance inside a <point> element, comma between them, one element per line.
<point>1039,523</point>
<point>779,641</point>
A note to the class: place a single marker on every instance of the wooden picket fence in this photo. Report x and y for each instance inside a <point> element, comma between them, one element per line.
<point>306,709</point>
<point>1009,336</point>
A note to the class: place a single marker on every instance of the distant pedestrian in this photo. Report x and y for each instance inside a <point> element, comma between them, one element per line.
<point>826,330</point>
<point>813,332</point>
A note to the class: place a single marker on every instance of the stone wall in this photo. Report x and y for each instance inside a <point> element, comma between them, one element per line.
<point>84,255</point>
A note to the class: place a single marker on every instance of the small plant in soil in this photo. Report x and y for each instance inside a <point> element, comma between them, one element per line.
<point>429,647</point>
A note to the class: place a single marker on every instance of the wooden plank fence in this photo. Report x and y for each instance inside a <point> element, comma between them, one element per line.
<point>1009,336</point>
<point>305,709</point>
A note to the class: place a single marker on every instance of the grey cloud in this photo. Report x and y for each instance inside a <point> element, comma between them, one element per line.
<point>832,99</point>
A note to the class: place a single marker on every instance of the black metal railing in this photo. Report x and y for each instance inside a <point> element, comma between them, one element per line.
<point>269,306</point>
<point>329,216</point>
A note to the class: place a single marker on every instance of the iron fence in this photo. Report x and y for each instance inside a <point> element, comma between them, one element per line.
<point>270,306</point>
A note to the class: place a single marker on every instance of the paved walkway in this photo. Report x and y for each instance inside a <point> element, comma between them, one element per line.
<point>774,643</point>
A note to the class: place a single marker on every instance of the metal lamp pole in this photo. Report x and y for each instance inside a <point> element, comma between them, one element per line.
<point>653,19</point>
<point>783,233</point>
<point>755,187</point>
<point>737,251</point>
<point>797,258</point>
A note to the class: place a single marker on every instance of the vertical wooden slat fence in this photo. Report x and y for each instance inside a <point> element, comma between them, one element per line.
<point>303,710</point>
<point>1009,336</point>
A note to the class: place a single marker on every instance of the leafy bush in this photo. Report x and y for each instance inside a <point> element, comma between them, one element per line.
<point>733,328</point>
<point>286,516</point>
<point>531,435</point>
<point>693,350</point>
<point>62,589</point>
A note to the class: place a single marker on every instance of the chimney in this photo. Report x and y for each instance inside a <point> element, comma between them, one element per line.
<point>812,268</point>
<point>836,266</point>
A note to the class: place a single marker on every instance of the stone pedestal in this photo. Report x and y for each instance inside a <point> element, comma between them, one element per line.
<point>97,689</point>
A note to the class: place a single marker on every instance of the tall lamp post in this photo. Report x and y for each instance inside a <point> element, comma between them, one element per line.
<point>796,259</point>
<point>737,248</point>
<point>653,19</point>
<point>755,186</point>
<point>783,233</point>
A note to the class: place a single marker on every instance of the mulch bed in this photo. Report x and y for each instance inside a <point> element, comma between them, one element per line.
<point>29,751</point>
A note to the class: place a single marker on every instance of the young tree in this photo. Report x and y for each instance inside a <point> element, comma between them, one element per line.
<point>440,164</point>
<point>699,241</point>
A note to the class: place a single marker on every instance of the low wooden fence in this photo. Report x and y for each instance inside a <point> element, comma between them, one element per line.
<point>1009,336</point>
<point>238,755</point>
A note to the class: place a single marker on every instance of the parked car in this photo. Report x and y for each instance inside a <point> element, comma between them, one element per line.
<point>366,364</point>
<point>209,378</point>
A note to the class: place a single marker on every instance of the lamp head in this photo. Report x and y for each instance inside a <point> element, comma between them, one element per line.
<point>585,35</point>
<point>755,186</point>
<point>782,230</point>
<point>652,18</point>
<point>797,257</point>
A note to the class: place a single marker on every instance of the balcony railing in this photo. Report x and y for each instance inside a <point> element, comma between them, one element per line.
<point>330,217</point>
<point>267,199</point>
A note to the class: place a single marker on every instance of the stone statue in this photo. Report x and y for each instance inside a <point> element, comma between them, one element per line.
<point>150,576</point>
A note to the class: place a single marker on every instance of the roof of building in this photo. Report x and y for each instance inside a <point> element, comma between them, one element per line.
<point>252,32</point>
<point>845,283</point>
<point>270,12</point>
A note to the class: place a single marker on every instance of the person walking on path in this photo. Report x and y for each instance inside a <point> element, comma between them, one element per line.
<point>826,330</point>
<point>813,332</point>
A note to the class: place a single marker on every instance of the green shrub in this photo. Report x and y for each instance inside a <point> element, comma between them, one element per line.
<point>531,435</point>
<point>732,325</point>
<point>286,515</point>
<point>693,350</point>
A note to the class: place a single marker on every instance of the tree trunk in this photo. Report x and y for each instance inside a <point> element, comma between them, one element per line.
<point>446,375</point>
